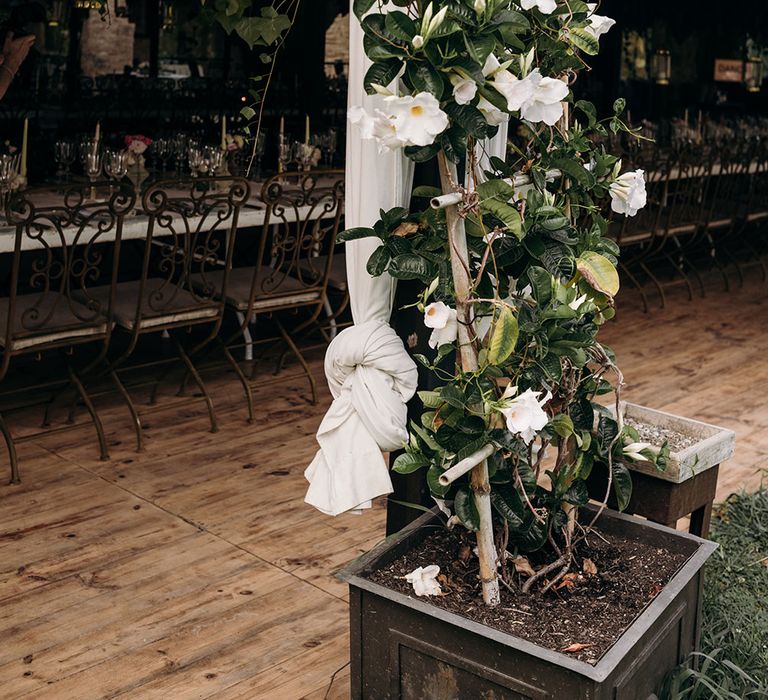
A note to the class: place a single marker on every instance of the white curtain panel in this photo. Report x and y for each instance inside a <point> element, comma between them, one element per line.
<point>369,372</point>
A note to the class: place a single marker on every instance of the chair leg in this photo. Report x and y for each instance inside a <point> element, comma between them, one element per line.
<point>287,338</point>
<point>246,336</point>
<point>681,272</point>
<point>656,283</point>
<point>241,376</point>
<point>15,478</point>
<point>135,417</point>
<point>331,317</point>
<point>637,285</point>
<point>191,369</point>
<point>92,410</point>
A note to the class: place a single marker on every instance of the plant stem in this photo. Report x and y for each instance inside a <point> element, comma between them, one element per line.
<point>481,488</point>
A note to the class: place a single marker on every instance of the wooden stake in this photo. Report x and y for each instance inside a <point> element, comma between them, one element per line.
<point>481,488</point>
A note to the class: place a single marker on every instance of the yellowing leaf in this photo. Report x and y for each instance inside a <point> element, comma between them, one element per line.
<point>504,337</point>
<point>523,566</point>
<point>599,273</point>
<point>589,567</point>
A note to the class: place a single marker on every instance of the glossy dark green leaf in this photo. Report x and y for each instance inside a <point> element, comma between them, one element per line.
<point>400,25</point>
<point>381,73</point>
<point>378,261</point>
<point>408,463</point>
<point>622,485</point>
<point>352,234</point>
<point>464,505</point>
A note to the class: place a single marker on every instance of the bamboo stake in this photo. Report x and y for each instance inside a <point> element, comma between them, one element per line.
<point>466,465</point>
<point>481,488</point>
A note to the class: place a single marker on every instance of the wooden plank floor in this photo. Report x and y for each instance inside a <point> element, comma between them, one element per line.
<point>194,569</point>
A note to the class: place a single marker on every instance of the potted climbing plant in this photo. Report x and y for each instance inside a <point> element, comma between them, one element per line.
<point>525,592</point>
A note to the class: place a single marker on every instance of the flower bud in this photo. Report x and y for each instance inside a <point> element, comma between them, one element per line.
<point>417,41</point>
<point>479,6</point>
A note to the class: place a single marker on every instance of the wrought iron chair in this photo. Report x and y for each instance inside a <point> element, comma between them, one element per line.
<point>58,253</point>
<point>292,268</point>
<point>189,236</point>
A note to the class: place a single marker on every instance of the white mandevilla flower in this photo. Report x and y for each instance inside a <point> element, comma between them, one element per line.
<point>464,89</point>
<point>424,580</point>
<point>598,24</point>
<point>525,413</point>
<point>442,320</point>
<point>628,195</point>
<point>633,450</point>
<point>493,115</point>
<point>576,303</point>
<point>402,121</point>
<point>538,99</point>
<point>546,7</point>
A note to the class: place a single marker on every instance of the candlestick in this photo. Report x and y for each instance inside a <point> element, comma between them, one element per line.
<point>224,133</point>
<point>23,167</point>
<point>282,128</point>
<point>306,130</point>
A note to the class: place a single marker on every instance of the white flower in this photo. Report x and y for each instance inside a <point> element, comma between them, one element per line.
<point>538,99</point>
<point>576,303</point>
<point>546,7</point>
<point>524,414</point>
<point>417,41</point>
<point>493,115</point>
<point>628,194</point>
<point>479,6</point>
<point>598,24</point>
<point>442,320</point>
<point>424,580</point>
<point>632,451</point>
<point>464,89</point>
<point>402,121</point>
<point>417,120</point>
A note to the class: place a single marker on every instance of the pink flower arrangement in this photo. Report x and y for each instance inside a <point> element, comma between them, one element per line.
<point>137,144</point>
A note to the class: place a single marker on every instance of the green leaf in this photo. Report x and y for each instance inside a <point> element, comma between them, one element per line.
<point>577,494</point>
<point>504,337</point>
<point>622,485</point>
<point>496,189</point>
<point>426,192</point>
<point>599,272</point>
<point>248,112</point>
<point>352,234</point>
<point>562,425</point>
<point>584,40</point>
<point>425,437</point>
<point>619,106</point>
<point>410,267</point>
<point>453,396</point>
<point>464,505</point>
<point>505,213</point>
<point>575,170</point>
<point>431,399</point>
<point>360,7</point>
<point>433,481</point>
<point>469,118</point>
<point>508,504</point>
<point>421,154</point>
<point>378,261</point>
<point>400,25</point>
<point>424,78</point>
<point>381,73</point>
<point>407,463</point>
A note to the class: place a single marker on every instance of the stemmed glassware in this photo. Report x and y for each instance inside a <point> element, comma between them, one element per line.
<point>304,154</point>
<point>161,149</point>
<point>284,153</point>
<point>195,158</point>
<point>116,165</point>
<point>9,170</point>
<point>179,148</point>
<point>65,154</point>
<point>93,163</point>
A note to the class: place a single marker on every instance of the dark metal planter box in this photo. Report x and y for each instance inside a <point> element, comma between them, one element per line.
<point>403,647</point>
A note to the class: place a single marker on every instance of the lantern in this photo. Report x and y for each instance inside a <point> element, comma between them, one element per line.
<point>753,74</point>
<point>661,66</point>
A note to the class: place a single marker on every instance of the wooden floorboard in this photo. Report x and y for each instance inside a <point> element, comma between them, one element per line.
<point>195,570</point>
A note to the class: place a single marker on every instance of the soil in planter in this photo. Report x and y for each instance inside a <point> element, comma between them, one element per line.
<point>655,435</point>
<point>583,618</point>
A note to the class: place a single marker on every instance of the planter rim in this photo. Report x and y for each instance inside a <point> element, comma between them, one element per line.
<point>597,672</point>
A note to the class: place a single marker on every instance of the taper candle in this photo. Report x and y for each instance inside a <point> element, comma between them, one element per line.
<point>306,130</point>
<point>23,166</point>
<point>224,133</point>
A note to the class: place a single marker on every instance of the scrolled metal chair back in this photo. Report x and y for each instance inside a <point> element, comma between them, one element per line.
<point>190,235</point>
<point>61,251</point>
<point>303,214</point>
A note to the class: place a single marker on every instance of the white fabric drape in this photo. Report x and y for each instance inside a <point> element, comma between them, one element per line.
<point>369,372</point>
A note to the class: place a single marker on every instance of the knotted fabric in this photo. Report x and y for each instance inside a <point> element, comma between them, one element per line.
<point>371,378</point>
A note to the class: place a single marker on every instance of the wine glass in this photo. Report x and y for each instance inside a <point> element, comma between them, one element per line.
<point>195,159</point>
<point>116,165</point>
<point>9,170</point>
<point>93,163</point>
<point>179,148</point>
<point>161,149</point>
<point>304,154</point>
<point>65,154</point>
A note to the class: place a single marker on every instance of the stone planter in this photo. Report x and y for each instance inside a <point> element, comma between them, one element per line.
<point>403,647</point>
<point>712,447</point>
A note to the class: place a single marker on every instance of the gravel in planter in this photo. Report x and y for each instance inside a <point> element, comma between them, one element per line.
<point>656,435</point>
<point>586,615</point>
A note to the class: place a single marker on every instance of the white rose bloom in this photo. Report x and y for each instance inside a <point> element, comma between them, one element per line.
<point>598,24</point>
<point>538,99</point>
<point>525,414</point>
<point>442,320</point>
<point>546,7</point>
<point>464,89</point>
<point>628,195</point>
<point>424,580</point>
<point>417,120</point>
